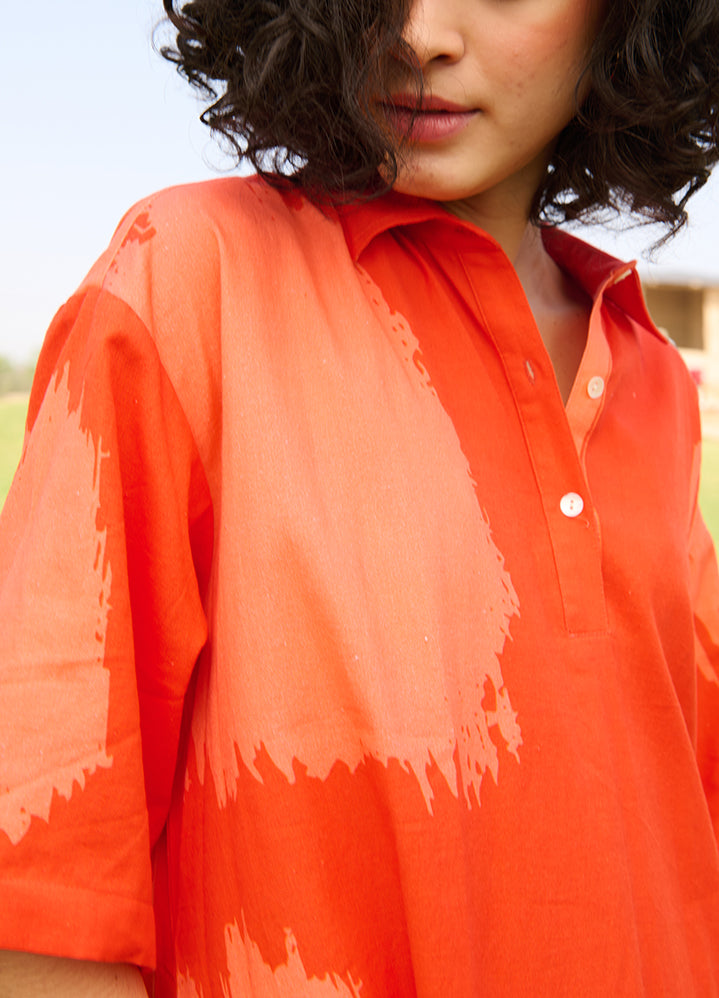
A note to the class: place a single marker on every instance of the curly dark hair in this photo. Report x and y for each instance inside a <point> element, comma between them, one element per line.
<point>291,85</point>
<point>647,135</point>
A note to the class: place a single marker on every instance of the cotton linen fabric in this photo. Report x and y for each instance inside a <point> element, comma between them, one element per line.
<point>340,657</point>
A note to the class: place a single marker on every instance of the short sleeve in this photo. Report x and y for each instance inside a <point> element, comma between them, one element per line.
<point>105,545</point>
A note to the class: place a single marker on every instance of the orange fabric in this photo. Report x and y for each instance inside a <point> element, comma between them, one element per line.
<point>335,639</point>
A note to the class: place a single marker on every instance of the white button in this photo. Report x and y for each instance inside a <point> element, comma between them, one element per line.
<point>595,388</point>
<point>571,504</point>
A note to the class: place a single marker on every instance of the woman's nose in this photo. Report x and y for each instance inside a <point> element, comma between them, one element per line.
<point>432,31</point>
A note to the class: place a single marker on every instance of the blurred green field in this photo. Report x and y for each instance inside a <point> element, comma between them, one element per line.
<point>709,490</point>
<point>12,424</point>
<point>12,421</point>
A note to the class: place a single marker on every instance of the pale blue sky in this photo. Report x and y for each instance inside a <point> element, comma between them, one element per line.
<point>92,120</point>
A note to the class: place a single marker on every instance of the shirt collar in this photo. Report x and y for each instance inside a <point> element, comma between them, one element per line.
<point>363,221</point>
<point>599,274</point>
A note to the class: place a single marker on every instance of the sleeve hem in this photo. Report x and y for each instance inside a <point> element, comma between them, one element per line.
<point>73,922</point>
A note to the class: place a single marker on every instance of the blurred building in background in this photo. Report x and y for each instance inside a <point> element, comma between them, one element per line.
<point>688,312</point>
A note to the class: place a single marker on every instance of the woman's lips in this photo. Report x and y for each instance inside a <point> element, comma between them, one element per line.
<point>433,121</point>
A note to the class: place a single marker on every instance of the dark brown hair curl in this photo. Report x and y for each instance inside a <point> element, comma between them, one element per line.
<point>291,84</point>
<point>647,135</point>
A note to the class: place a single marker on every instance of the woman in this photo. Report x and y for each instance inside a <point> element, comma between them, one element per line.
<point>363,622</point>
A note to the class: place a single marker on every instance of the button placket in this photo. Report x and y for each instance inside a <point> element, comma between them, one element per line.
<point>562,476</point>
<point>552,439</point>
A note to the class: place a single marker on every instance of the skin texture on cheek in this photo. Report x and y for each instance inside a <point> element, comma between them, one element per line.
<point>553,52</point>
